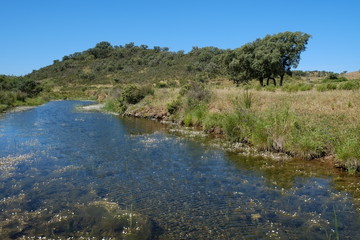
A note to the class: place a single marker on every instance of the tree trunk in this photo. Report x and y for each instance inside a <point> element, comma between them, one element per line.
<point>281,79</point>
<point>261,80</point>
<point>268,80</point>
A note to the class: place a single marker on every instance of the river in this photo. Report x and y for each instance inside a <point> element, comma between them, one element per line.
<point>54,159</point>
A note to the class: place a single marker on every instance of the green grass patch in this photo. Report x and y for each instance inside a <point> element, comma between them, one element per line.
<point>297,87</point>
<point>3,107</point>
<point>326,87</point>
<point>213,121</point>
<point>349,85</point>
<point>348,150</point>
<point>195,116</point>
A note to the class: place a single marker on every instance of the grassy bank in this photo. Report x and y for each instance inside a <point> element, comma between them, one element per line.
<point>304,124</point>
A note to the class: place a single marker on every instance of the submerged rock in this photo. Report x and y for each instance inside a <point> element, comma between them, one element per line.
<point>96,220</point>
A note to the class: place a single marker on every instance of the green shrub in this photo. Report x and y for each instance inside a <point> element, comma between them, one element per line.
<point>162,84</point>
<point>331,86</point>
<point>132,94</point>
<point>21,96</point>
<point>87,76</point>
<point>231,127</point>
<point>259,133</point>
<point>306,87</point>
<point>174,106</point>
<point>238,126</point>
<point>321,88</point>
<point>7,98</point>
<point>34,101</point>
<point>297,87</point>
<point>349,85</point>
<point>348,150</point>
<point>3,107</point>
<point>196,94</point>
<point>247,99</point>
<point>326,87</point>
<point>269,88</point>
<point>332,80</point>
<point>188,120</point>
<point>111,106</point>
<point>195,116</point>
<point>278,122</point>
<point>212,121</point>
<point>30,87</point>
<point>306,142</point>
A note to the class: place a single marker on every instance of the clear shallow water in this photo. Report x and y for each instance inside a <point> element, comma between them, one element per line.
<point>53,157</point>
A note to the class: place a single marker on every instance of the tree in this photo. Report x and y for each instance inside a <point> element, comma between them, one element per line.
<point>101,50</point>
<point>242,64</point>
<point>30,87</point>
<point>143,46</point>
<point>267,58</point>
<point>288,47</point>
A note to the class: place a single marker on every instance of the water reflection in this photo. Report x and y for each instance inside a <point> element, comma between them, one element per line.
<point>63,162</point>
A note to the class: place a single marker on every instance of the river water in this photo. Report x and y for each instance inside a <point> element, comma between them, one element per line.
<point>54,158</point>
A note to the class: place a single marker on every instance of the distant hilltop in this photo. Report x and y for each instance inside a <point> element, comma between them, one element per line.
<point>352,75</point>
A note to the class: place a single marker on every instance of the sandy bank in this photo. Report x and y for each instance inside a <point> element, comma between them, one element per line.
<point>93,107</point>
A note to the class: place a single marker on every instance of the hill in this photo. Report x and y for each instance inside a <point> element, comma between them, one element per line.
<point>106,64</point>
<point>352,75</point>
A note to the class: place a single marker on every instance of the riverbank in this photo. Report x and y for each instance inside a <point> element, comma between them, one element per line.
<point>310,125</point>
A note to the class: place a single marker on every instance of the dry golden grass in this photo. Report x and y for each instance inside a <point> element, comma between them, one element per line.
<point>312,103</point>
<point>352,75</point>
<point>329,105</point>
<point>154,105</point>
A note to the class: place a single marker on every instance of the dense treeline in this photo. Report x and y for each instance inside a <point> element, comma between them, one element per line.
<point>267,58</point>
<point>16,90</point>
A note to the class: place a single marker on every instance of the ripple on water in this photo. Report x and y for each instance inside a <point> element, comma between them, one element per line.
<point>64,162</point>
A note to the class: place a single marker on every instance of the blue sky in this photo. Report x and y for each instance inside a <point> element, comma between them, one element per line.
<point>36,32</point>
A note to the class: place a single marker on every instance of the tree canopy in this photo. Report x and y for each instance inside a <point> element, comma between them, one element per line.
<point>267,58</point>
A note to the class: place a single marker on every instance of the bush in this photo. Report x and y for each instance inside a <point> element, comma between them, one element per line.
<point>332,80</point>
<point>247,99</point>
<point>196,94</point>
<point>7,98</point>
<point>132,94</point>
<point>278,122</point>
<point>326,87</point>
<point>3,107</point>
<point>238,126</point>
<point>350,85</point>
<point>174,106</point>
<point>348,150</point>
<point>195,116</point>
<point>111,106</point>
<point>306,142</point>
<point>162,84</point>
<point>87,76</point>
<point>297,87</point>
<point>213,121</point>
<point>30,87</point>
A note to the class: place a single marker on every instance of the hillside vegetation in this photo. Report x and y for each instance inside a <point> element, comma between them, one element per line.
<point>16,91</point>
<point>267,58</point>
